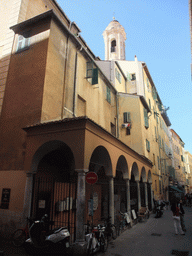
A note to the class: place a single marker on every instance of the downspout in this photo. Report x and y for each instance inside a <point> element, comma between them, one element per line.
<point>65,71</point>
<point>117,120</point>
<point>75,83</point>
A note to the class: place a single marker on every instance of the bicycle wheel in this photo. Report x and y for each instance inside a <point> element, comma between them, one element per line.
<point>18,237</point>
<point>114,232</point>
<point>103,243</point>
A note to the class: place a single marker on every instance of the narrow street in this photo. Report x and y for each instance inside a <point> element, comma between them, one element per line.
<point>154,237</point>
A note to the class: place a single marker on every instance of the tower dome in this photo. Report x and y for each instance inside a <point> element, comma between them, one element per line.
<point>114,38</point>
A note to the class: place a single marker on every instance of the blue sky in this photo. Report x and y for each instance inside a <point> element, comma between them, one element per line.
<point>158,32</point>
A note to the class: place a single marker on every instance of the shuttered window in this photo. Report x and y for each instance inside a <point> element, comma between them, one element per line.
<point>92,72</point>
<point>126,117</point>
<point>146,121</point>
<point>108,96</point>
<point>147,145</point>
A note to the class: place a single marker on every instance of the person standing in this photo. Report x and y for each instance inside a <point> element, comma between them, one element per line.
<point>181,213</point>
<point>176,219</point>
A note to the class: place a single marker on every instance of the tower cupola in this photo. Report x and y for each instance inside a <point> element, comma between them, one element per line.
<point>114,38</point>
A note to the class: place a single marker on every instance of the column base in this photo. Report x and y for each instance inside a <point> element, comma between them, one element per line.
<point>80,248</point>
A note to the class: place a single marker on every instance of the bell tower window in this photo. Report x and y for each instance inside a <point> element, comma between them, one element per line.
<point>113,46</point>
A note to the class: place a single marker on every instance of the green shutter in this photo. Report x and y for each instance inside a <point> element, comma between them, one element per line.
<point>154,93</point>
<point>146,118</point>
<point>95,76</point>
<point>108,94</point>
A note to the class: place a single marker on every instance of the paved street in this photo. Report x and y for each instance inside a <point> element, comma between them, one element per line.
<point>155,237</point>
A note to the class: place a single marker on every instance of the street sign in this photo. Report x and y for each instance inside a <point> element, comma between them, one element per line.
<point>91,178</point>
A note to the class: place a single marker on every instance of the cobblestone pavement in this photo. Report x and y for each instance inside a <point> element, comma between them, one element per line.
<point>154,237</point>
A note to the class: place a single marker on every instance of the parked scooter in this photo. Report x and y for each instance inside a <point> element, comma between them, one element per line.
<point>43,241</point>
<point>159,209</point>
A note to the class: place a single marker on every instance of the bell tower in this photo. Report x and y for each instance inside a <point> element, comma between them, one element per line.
<point>114,38</point>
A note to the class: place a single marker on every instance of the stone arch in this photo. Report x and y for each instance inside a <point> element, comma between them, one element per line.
<point>100,157</point>
<point>143,175</point>
<point>47,148</point>
<point>123,167</point>
<point>135,171</point>
<point>54,184</point>
<point>149,177</point>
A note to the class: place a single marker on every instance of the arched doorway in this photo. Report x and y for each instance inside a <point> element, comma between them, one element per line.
<point>100,163</point>
<point>54,188</point>
<point>142,192</point>
<point>133,188</point>
<point>120,195</point>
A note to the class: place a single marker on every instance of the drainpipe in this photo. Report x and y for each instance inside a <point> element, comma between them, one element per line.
<point>65,71</point>
<point>117,119</point>
<point>75,82</point>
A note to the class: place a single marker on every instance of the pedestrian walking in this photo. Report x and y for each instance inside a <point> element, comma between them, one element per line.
<point>176,219</point>
<point>181,213</point>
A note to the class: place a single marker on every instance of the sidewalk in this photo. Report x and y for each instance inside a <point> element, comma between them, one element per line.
<point>154,237</point>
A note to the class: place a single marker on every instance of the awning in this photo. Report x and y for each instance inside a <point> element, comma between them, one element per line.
<point>176,189</point>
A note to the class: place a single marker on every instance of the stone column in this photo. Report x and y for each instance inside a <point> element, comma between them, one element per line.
<point>152,204</point>
<point>28,195</point>
<point>111,199</point>
<point>80,246</point>
<point>146,195</point>
<point>139,195</point>
<point>128,196</point>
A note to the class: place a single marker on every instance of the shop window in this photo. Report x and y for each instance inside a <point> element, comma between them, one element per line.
<point>92,73</point>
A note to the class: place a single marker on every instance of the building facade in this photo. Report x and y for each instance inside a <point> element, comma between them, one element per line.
<point>60,120</point>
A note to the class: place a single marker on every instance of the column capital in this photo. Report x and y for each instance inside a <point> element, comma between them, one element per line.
<point>81,171</point>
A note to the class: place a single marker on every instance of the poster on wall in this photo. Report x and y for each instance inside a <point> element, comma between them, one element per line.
<point>5,198</point>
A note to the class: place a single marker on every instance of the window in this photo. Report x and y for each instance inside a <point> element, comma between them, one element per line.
<point>126,117</point>
<point>113,46</point>
<point>153,159</point>
<point>158,161</point>
<point>154,93</point>
<point>147,83</point>
<point>92,73</point>
<point>147,145</point>
<point>146,121</point>
<point>23,41</point>
<point>133,77</point>
<point>118,75</point>
<point>113,129</point>
<point>149,103</point>
<point>108,94</point>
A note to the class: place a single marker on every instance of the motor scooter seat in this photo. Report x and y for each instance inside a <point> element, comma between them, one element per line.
<point>58,230</point>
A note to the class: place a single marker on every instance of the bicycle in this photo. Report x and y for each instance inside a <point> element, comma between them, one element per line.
<point>110,229</point>
<point>20,235</point>
<point>96,239</point>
